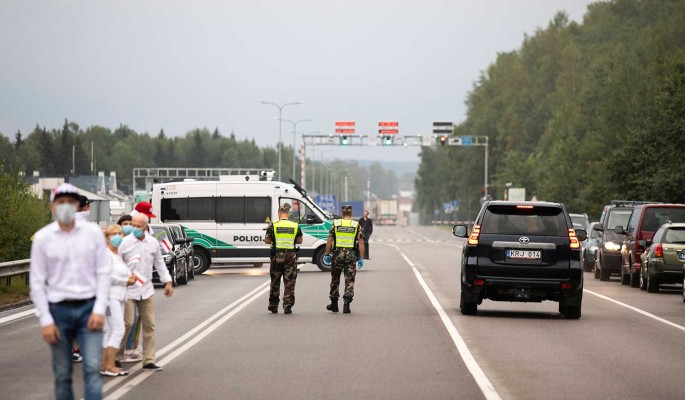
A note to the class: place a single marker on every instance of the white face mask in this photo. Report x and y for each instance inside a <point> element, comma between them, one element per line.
<point>65,213</point>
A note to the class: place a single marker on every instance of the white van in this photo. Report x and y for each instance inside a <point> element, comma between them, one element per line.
<point>228,219</point>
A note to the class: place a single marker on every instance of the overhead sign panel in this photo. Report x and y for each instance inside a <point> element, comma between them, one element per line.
<point>388,131</point>
<point>344,131</point>
<point>443,128</point>
<point>388,123</point>
<point>345,123</point>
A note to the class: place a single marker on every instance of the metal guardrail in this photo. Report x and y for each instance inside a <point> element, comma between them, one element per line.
<point>15,268</point>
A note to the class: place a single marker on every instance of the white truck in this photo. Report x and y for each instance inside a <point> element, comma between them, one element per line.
<point>387,212</point>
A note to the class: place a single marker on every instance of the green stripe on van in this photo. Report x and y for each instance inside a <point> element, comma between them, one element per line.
<point>207,241</point>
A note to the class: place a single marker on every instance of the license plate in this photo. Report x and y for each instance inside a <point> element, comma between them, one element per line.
<point>681,255</point>
<point>521,293</point>
<point>524,254</point>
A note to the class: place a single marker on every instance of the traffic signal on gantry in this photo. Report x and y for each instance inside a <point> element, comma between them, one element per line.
<point>387,140</point>
<point>344,140</point>
<point>442,139</point>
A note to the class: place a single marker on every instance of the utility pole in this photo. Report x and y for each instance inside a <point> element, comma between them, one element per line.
<point>280,128</point>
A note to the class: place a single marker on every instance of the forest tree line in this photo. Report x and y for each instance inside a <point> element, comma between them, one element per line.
<point>57,151</point>
<point>581,113</point>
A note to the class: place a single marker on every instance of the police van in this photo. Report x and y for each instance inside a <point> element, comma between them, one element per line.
<point>227,219</point>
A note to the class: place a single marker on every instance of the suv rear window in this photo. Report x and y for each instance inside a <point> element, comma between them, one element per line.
<point>675,236</point>
<point>619,217</point>
<point>536,221</point>
<point>657,216</point>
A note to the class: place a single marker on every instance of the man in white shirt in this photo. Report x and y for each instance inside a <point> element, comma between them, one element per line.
<point>70,280</point>
<point>141,253</point>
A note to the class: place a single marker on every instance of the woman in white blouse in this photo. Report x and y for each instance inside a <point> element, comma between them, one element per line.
<point>114,321</point>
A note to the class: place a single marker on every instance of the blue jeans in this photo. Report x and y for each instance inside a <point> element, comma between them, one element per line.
<point>132,335</point>
<point>72,322</point>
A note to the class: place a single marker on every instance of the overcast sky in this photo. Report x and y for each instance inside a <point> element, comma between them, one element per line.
<point>178,65</point>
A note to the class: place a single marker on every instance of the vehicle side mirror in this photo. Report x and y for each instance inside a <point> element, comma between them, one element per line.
<point>460,231</point>
<point>598,228</point>
<point>312,219</point>
<point>581,234</point>
<point>180,241</point>
<point>190,239</point>
<point>643,243</point>
<point>619,230</point>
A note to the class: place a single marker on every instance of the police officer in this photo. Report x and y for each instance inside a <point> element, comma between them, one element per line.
<point>283,235</point>
<point>347,243</point>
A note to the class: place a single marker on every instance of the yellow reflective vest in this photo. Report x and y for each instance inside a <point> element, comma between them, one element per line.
<point>345,233</point>
<point>285,232</point>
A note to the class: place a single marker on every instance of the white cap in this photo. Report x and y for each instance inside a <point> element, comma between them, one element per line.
<point>64,189</point>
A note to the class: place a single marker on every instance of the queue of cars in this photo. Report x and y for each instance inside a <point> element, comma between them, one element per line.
<point>177,251</point>
<point>641,242</point>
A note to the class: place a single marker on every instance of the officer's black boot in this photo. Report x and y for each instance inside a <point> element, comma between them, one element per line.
<point>287,309</point>
<point>346,307</point>
<point>273,308</point>
<point>333,306</point>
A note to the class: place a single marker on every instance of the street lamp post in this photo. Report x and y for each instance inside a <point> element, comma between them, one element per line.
<point>294,123</point>
<point>280,124</point>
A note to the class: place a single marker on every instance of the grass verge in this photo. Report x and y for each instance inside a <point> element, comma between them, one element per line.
<point>15,292</point>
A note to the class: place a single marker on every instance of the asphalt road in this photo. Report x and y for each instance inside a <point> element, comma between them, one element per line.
<point>216,338</point>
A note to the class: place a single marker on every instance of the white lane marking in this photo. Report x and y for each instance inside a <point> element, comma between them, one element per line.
<point>637,310</point>
<point>192,332</point>
<point>18,315</point>
<point>145,374</point>
<point>478,375</point>
<point>413,232</point>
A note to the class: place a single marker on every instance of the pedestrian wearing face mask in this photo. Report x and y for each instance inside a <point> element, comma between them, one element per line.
<point>114,321</point>
<point>141,253</point>
<point>83,212</point>
<point>70,281</point>
<point>132,353</point>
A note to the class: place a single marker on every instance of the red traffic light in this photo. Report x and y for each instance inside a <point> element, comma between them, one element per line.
<point>443,140</point>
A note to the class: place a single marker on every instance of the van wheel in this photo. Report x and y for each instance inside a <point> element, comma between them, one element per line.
<point>200,261</point>
<point>572,312</point>
<point>318,260</point>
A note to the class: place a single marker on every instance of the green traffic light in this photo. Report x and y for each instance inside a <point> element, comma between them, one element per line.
<point>387,141</point>
<point>344,141</point>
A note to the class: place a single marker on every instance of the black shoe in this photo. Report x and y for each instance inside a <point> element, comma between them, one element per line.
<point>153,367</point>
<point>288,309</point>
<point>333,306</point>
<point>273,308</point>
<point>118,364</point>
<point>346,307</point>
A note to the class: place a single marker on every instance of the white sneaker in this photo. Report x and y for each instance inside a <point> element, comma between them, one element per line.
<point>132,357</point>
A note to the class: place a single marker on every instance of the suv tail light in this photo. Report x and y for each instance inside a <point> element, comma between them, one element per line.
<point>575,244</point>
<point>473,239</point>
<point>659,251</point>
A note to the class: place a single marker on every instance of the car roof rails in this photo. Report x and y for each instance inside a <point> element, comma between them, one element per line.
<point>625,203</point>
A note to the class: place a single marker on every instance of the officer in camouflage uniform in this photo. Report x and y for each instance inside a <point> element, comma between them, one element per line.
<point>346,241</point>
<point>283,235</point>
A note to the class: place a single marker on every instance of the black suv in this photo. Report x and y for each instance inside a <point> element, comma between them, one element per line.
<point>608,257</point>
<point>524,252</point>
<point>174,254</point>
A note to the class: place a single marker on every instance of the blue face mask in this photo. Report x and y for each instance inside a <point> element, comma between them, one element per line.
<point>138,233</point>
<point>127,229</point>
<point>116,240</point>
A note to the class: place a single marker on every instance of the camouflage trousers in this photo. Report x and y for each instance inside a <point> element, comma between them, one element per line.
<point>288,271</point>
<point>344,260</point>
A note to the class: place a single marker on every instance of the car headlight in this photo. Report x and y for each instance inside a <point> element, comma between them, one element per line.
<point>612,246</point>
<point>168,258</point>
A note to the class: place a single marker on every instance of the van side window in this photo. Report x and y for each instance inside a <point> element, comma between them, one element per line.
<point>174,210</point>
<point>257,209</point>
<point>201,209</point>
<point>230,210</point>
